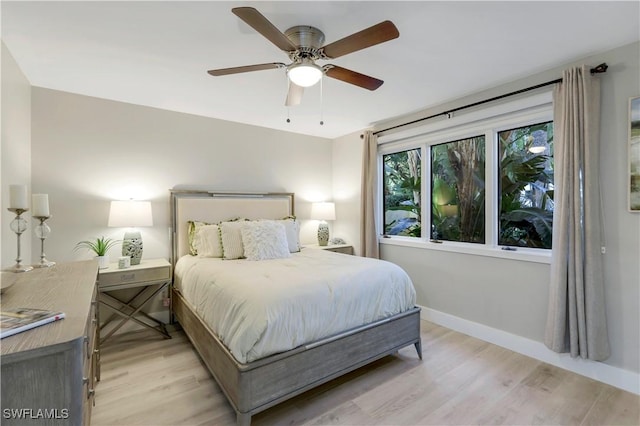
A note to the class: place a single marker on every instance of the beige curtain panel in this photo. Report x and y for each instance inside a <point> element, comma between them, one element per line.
<point>576,319</point>
<point>368,233</point>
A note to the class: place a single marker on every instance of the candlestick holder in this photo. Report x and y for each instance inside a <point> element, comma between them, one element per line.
<point>19,225</point>
<point>42,231</point>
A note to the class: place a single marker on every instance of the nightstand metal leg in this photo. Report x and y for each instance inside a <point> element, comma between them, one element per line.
<point>134,307</point>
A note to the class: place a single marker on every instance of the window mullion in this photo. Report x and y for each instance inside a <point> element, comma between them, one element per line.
<point>491,189</point>
<point>425,193</point>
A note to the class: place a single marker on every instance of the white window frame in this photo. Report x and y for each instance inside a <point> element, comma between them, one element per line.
<point>489,122</point>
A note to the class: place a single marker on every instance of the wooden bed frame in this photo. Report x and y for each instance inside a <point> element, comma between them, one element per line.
<point>258,385</point>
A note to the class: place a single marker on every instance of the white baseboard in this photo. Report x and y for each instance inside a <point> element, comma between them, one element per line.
<point>614,376</point>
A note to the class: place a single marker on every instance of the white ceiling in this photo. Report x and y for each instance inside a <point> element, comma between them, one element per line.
<point>157,53</point>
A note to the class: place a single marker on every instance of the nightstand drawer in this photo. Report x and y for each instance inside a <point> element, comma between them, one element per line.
<point>336,248</point>
<point>131,275</point>
<point>344,250</point>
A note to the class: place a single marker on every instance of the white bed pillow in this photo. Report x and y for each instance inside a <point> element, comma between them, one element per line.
<point>231,239</point>
<point>206,241</point>
<point>264,240</point>
<point>292,229</point>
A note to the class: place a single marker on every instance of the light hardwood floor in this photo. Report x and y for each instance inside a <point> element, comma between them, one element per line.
<point>461,380</point>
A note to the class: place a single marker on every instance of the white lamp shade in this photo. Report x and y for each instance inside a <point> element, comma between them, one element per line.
<point>323,211</point>
<point>305,75</point>
<point>130,214</point>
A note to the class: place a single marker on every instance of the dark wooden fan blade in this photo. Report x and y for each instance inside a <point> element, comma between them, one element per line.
<point>247,68</point>
<point>379,33</point>
<point>262,25</point>
<point>353,77</point>
<point>294,95</point>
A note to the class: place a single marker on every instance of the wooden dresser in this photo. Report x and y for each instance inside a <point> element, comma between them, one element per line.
<point>49,372</point>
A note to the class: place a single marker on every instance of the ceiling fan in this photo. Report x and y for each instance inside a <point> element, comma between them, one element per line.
<point>304,46</point>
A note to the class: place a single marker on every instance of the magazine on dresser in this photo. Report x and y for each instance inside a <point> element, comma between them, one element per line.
<point>14,321</point>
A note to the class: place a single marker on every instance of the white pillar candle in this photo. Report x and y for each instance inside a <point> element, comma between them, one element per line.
<point>40,205</point>
<point>18,197</point>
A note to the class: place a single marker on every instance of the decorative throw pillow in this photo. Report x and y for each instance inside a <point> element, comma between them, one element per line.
<point>264,240</point>
<point>192,230</point>
<point>232,239</point>
<point>292,229</point>
<point>206,241</point>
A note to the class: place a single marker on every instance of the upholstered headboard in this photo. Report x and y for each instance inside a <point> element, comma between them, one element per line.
<point>217,206</point>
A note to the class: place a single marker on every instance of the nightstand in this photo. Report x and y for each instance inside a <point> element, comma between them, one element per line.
<point>149,278</point>
<point>337,248</point>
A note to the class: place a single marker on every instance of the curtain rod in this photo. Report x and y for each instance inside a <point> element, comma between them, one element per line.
<point>602,68</point>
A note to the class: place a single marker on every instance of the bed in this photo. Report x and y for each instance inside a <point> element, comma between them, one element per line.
<point>257,370</point>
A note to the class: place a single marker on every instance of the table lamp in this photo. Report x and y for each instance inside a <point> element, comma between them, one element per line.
<point>323,212</point>
<point>131,214</point>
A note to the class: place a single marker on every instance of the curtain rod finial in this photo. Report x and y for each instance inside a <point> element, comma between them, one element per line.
<point>600,68</point>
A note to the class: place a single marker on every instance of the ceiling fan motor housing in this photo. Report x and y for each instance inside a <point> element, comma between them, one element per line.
<point>308,39</point>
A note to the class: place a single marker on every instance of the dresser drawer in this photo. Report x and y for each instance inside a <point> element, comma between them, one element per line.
<point>122,277</point>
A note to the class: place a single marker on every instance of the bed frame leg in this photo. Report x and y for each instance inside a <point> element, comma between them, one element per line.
<point>418,346</point>
<point>243,419</point>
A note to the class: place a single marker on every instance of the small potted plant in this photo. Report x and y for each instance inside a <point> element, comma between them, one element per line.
<point>100,247</point>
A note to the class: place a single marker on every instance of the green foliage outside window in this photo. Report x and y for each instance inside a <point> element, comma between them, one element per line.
<point>402,177</point>
<point>526,186</point>
<point>458,190</point>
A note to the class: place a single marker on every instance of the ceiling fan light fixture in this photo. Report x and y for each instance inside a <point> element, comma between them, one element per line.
<point>305,74</point>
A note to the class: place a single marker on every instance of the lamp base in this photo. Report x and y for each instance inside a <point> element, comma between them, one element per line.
<point>323,234</point>
<point>132,246</point>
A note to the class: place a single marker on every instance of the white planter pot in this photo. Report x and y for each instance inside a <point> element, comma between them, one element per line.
<point>103,262</point>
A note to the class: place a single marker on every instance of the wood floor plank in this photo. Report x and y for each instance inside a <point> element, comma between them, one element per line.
<point>489,379</point>
<point>460,381</point>
<point>549,395</point>
<point>614,407</point>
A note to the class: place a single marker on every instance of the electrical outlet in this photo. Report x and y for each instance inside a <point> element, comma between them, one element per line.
<point>166,302</point>
<point>603,249</point>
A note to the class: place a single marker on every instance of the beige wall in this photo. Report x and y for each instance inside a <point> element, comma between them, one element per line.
<point>511,295</point>
<point>89,151</point>
<point>15,155</point>
<point>347,156</point>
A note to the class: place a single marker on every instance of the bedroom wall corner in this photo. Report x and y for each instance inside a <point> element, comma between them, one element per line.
<point>347,170</point>
<point>15,152</point>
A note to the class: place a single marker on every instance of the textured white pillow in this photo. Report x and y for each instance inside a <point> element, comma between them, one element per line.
<point>206,241</point>
<point>231,239</point>
<point>264,240</point>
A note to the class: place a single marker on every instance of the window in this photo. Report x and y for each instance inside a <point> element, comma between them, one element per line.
<point>526,186</point>
<point>457,190</point>
<point>486,183</point>
<point>402,177</point>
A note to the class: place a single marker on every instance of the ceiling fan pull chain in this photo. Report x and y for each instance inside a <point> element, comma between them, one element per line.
<point>321,104</point>
<point>287,102</point>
